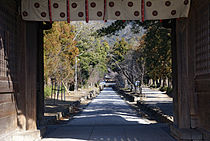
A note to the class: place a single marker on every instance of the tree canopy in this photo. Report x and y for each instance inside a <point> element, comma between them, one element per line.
<point>59,51</point>
<point>153,55</point>
<point>150,58</point>
<point>66,42</point>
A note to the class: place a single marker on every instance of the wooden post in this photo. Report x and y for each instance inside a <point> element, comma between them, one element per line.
<point>174,71</point>
<point>21,70</point>
<point>40,74</point>
<point>183,78</point>
<point>31,71</point>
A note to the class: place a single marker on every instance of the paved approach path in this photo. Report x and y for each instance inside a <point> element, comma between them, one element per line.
<point>109,118</point>
<point>157,99</point>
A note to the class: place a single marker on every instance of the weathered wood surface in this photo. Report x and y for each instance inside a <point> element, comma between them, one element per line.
<point>40,75</point>
<point>31,74</point>
<point>192,99</point>
<point>7,124</point>
<point>7,109</point>
<point>202,64</point>
<point>18,74</point>
<point>183,115</point>
<point>6,87</point>
<point>8,116</point>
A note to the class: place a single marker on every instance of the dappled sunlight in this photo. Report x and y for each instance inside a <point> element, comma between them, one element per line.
<point>158,101</point>
<point>109,118</point>
<point>107,91</point>
<point>64,139</point>
<point>152,132</point>
<point>108,108</point>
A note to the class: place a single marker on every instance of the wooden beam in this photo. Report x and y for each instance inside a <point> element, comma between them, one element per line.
<point>31,74</point>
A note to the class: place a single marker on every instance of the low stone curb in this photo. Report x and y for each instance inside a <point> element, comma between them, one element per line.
<point>70,111</point>
<point>148,109</point>
<point>155,112</point>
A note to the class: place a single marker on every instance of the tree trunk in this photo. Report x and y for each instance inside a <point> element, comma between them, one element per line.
<point>154,82</point>
<point>150,82</point>
<point>142,79</point>
<point>157,83</point>
<point>167,82</point>
<point>164,83</point>
<point>142,76</point>
<point>170,83</point>
<point>161,83</point>
<point>75,75</point>
<point>125,81</point>
<point>134,88</point>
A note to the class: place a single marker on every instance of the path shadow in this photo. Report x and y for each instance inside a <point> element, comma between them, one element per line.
<point>109,118</point>
<point>129,131</point>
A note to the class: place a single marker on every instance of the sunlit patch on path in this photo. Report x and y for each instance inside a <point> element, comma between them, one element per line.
<point>109,118</point>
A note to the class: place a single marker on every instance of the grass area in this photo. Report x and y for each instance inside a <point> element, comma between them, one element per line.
<point>163,89</point>
<point>168,90</point>
<point>47,91</point>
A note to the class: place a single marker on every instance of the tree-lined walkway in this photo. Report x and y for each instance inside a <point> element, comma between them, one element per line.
<point>109,118</point>
<point>158,101</point>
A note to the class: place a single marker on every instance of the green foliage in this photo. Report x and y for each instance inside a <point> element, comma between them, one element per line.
<point>158,52</point>
<point>66,42</point>
<point>93,58</point>
<point>112,29</point>
<point>154,52</point>
<point>115,27</point>
<point>169,91</point>
<point>117,54</point>
<point>47,91</point>
<point>59,52</point>
<point>163,89</point>
<point>120,49</point>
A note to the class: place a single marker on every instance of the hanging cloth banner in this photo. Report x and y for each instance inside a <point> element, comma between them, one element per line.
<point>84,10</point>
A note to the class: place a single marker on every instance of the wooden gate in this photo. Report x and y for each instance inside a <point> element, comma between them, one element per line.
<point>192,94</point>
<point>8,42</point>
<point>202,64</point>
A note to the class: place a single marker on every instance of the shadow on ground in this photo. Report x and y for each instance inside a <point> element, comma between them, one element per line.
<point>129,131</point>
<point>109,118</point>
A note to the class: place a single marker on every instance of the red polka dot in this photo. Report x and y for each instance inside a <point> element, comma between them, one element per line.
<point>80,14</point>
<point>149,4</point>
<point>173,12</point>
<point>74,5</point>
<point>62,14</point>
<point>117,13</point>
<point>167,3</point>
<point>130,4</point>
<point>99,14</point>
<point>43,14</point>
<point>55,5</point>
<point>36,5</point>
<point>111,4</point>
<point>186,2</point>
<point>25,13</point>
<point>136,13</point>
<point>93,4</point>
<point>155,13</point>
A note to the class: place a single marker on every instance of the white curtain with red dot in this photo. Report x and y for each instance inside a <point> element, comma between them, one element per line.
<point>80,10</point>
<point>166,9</point>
